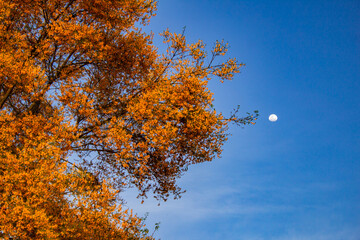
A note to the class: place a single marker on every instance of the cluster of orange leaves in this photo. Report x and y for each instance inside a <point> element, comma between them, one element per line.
<point>88,108</point>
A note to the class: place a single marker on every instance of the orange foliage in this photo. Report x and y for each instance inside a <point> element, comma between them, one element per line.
<point>88,108</point>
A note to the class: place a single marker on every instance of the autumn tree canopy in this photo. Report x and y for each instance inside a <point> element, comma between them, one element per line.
<point>90,107</point>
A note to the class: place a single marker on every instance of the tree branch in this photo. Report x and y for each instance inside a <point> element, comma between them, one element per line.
<point>7,94</point>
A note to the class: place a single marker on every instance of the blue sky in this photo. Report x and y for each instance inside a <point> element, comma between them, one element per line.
<point>297,178</point>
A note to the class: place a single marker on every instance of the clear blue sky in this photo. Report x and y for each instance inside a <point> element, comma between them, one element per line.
<point>297,178</point>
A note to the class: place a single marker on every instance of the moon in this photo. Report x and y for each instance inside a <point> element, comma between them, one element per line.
<point>273,118</point>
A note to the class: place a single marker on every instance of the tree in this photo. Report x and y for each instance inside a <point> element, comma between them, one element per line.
<point>89,107</point>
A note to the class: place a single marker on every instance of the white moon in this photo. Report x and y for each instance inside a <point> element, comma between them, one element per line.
<point>273,118</point>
